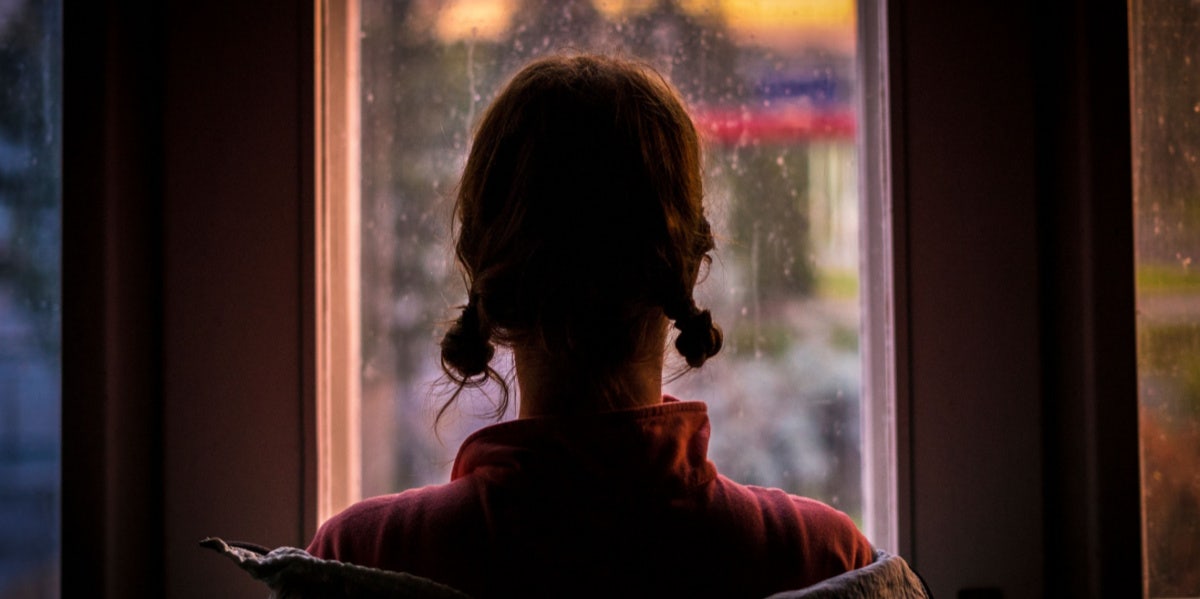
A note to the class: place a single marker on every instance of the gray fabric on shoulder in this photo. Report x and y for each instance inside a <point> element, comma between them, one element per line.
<point>888,577</point>
<point>292,573</point>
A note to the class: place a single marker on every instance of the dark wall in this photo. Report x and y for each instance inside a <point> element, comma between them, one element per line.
<point>969,197</point>
<point>1013,198</point>
<point>187,291</point>
<point>112,468</point>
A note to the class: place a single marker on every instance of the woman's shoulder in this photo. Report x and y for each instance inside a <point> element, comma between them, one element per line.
<point>362,532</point>
<point>801,525</point>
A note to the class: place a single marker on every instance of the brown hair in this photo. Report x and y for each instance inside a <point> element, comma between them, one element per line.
<point>580,223</point>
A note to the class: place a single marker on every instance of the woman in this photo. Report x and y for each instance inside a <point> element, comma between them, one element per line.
<point>581,235</point>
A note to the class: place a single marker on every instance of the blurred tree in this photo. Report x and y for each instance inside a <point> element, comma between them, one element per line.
<point>770,220</point>
<point>30,163</point>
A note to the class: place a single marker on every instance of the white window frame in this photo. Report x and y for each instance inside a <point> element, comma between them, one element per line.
<point>338,345</point>
<point>339,482</point>
<point>883,420</point>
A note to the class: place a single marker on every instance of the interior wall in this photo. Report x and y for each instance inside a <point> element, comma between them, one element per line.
<point>1011,148</point>
<point>187,291</point>
<point>237,156</point>
<point>968,196</point>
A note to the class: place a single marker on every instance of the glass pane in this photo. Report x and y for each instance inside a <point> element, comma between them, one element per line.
<point>1166,141</point>
<point>30,142</point>
<point>772,87</point>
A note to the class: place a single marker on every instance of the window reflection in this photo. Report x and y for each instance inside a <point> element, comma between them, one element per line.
<point>1166,141</point>
<point>771,85</point>
<point>29,297</point>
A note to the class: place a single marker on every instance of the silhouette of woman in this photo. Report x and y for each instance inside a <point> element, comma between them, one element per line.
<point>581,233</point>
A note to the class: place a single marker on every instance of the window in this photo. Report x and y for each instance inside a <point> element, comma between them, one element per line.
<point>775,90</point>
<point>30,141</point>
<point>1165,40</point>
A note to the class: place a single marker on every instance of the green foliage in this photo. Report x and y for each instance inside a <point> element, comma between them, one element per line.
<point>769,339</point>
<point>837,284</point>
<point>843,338</point>
<point>770,219</point>
<point>1167,278</point>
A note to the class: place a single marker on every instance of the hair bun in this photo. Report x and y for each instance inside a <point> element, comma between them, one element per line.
<point>699,338</point>
<point>466,348</point>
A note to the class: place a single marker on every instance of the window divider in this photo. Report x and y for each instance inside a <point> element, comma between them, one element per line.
<point>339,450</point>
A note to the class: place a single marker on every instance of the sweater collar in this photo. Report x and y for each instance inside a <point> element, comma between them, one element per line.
<point>663,447</point>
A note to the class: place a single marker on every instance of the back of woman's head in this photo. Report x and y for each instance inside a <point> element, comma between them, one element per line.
<point>580,222</point>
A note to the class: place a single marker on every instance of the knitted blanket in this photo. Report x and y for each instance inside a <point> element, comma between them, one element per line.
<point>888,577</point>
<point>292,573</point>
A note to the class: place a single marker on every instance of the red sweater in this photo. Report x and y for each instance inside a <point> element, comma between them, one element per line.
<point>622,503</point>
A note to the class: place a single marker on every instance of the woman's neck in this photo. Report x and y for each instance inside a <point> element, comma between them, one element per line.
<point>549,388</point>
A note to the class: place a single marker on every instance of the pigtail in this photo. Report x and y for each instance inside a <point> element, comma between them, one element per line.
<point>699,337</point>
<point>467,348</point>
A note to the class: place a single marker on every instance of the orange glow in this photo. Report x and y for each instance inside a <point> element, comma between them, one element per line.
<point>779,23</point>
<point>474,19</point>
<point>614,9</point>
<point>760,14</point>
<point>823,23</point>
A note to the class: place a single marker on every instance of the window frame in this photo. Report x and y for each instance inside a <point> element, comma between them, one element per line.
<point>339,448</point>
<point>885,404</point>
<point>190,336</point>
<point>339,413</point>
